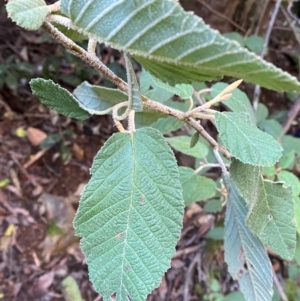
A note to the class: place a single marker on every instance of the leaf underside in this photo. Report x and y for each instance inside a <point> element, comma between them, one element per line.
<point>130,214</point>
<point>245,255</point>
<point>29,14</point>
<point>174,45</point>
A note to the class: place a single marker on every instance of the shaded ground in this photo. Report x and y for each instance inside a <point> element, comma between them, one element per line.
<point>38,249</point>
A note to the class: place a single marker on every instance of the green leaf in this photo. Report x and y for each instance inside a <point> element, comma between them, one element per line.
<point>169,124</point>
<point>290,143</point>
<point>213,206</point>
<point>245,141</point>
<point>130,214</point>
<point>255,43</point>
<point>157,93</point>
<point>57,98</point>
<point>235,36</point>
<point>235,296</point>
<point>262,112</point>
<point>70,289</point>
<point>238,102</point>
<point>287,161</point>
<point>96,99</point>
<point>29,14</point>
<point>174,45</point>
<point>271,126</point>
<point>216,233</point>
<point>271,208</point>
<point>195,188</point>
<point>194,139</point>
<point>245,255</point>
<point>182,144</point>
<point>297,215</point>
<point>290,180</point>
<point>182,90</point>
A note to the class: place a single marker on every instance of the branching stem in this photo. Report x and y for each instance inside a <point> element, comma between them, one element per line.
<point>94,62</point>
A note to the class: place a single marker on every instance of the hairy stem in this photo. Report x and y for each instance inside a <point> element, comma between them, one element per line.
<point>94,62</point>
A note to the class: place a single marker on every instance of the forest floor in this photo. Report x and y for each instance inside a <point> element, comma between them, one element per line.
<point>41,184</point>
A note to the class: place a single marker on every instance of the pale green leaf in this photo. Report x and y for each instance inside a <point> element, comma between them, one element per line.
<point>290,143</point>
<point>213,206</point>
<point>96,99</point>
<point>151,90</point>
<point>297,215</point>
<point>235,36</point>
<point>245,141</point>
<point>261,113</point>
<point>169,124</point>
<point>290,180</point>
<point>255,43</point>
<point>238,102</point>
<point>182,144</point>
<point>130,214</point>
<point>247,260</point>
<point>57,98</point>
<point>216,233</point>
<point>287,161</point>
<point>195,188</point>
<point>70,289</point>
<point>269,172</point>
<point>182,90</point>
<point>29,14</point>
<point>146,118</point>
<point>235,296</point>
<point>174,45</point>
<point>271,126</point>
<point>271,211</point>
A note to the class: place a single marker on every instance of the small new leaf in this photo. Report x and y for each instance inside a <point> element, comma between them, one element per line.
<point>194,139</point>
<point>134,96</point>
<point>130,215</point>
<point>245,141</point>
<point>57,98</point>
<point>29,14</point>
<point>238,102</point>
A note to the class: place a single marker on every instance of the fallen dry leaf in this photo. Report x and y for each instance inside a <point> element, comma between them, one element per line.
<point>35,136</point>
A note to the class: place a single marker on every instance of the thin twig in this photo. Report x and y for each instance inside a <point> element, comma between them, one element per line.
<point>292,114</point>
<point>94,62</point>
<point>222,16</point>
<point>257,89</point>
<point>220,161</point>
<point>279,288</point>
